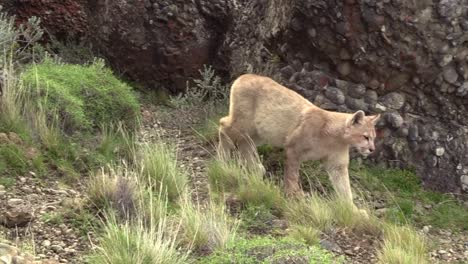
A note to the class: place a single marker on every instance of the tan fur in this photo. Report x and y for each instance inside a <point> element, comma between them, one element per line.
<point>262,111</point>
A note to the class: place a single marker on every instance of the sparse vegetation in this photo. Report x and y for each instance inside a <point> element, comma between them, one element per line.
<point>307,234</point>
<point>209,90</point>
<point>270,250</point>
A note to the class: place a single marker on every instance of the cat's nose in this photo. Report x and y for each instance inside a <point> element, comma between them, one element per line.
<point>371,149</point>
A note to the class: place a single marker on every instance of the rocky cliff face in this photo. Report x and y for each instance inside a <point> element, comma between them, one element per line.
<point>405,59</point>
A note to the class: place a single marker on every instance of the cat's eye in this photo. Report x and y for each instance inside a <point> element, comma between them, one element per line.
<point>366,137</point>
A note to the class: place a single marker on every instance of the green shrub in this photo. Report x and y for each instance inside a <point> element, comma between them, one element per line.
<point>307,234</point>
<point>402,245</point>
<point>158,163</point>
<point>13,160</point>
<point>209,228</point>
<point>270,250</point>
<point>246,182</point>
<point>84,97</point>
<point>138,242</point>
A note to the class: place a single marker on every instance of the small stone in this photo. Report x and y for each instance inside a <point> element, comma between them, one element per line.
<point>450,8</point>
<point>344,68</point>
<point>56,248</point>
<point>356,104</point>
<point>349,252</point>
<point>335,95</point>
<point>450,75</point>
<point>7,259</point>
<point>402,132</point>
<point>344,54</point>
<point>394,119</point>
<point>380,107</point>
<point>381,212</point>
<point>464,182</point>
<point>4,139</point>
<point>446,59</point>
<point>46,243</point>
<point>14,202</point>
<point>462,89</point>
<point>287,71</point>
<point>393,100</point>
<point>312,32</point>
<point>413,132</point>
<point>330,246</point>
<point>357,91</point>
<point>426,229</point>
<point>441,251</point>
<point>15,138</point>
<point>7,250</point>
<point>370,97</point>
<point>439,151</point>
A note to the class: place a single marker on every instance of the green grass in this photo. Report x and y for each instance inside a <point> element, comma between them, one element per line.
<point>270,250</point>
<point>13,160</point>
<point>307,234</point>
<point>207,131</point>
<point>402,245</point>
<point>246,183</point>
<point>405,198</point>
<point>53,218</point>
<point>138,242</point>
<point>158,163</point>
<point>84,97</point>
<point>208,228</point>
<point>7,182</point>
<point>256,219</point>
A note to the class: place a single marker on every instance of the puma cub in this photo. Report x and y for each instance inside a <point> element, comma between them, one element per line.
<point>262,111</point>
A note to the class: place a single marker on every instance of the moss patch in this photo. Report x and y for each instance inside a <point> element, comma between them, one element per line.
<point>270,250</point>
<point>84,97</point>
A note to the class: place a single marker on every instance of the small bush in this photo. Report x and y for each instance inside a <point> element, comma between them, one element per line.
<point>306,234</point>
<point>15,159</point>
<point>402,245</point>
<point>208,130</point>
<point>346,215</point>
<point>158,163</point>
<point>114,188</point>
<point>270,250</point>
<point>208,90</point>
<point>207,228</point>
<point>84,97</point>
<point>246,182</point>
<point>314,211</point>
<point>257,219</point>
<point>138,242</point>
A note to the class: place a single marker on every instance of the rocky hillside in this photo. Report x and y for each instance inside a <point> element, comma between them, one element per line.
<point>407,59</point>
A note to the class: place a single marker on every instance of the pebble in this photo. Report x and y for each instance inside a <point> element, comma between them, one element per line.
<point>335,95</point>
<point>331,246</point>
<point>393,100</point>
<point>426,229</point>
<point>46,243</point>
<point>394,119</point>
<point>439,151</point>
<point>357,91</point>
<point>450,74</point>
